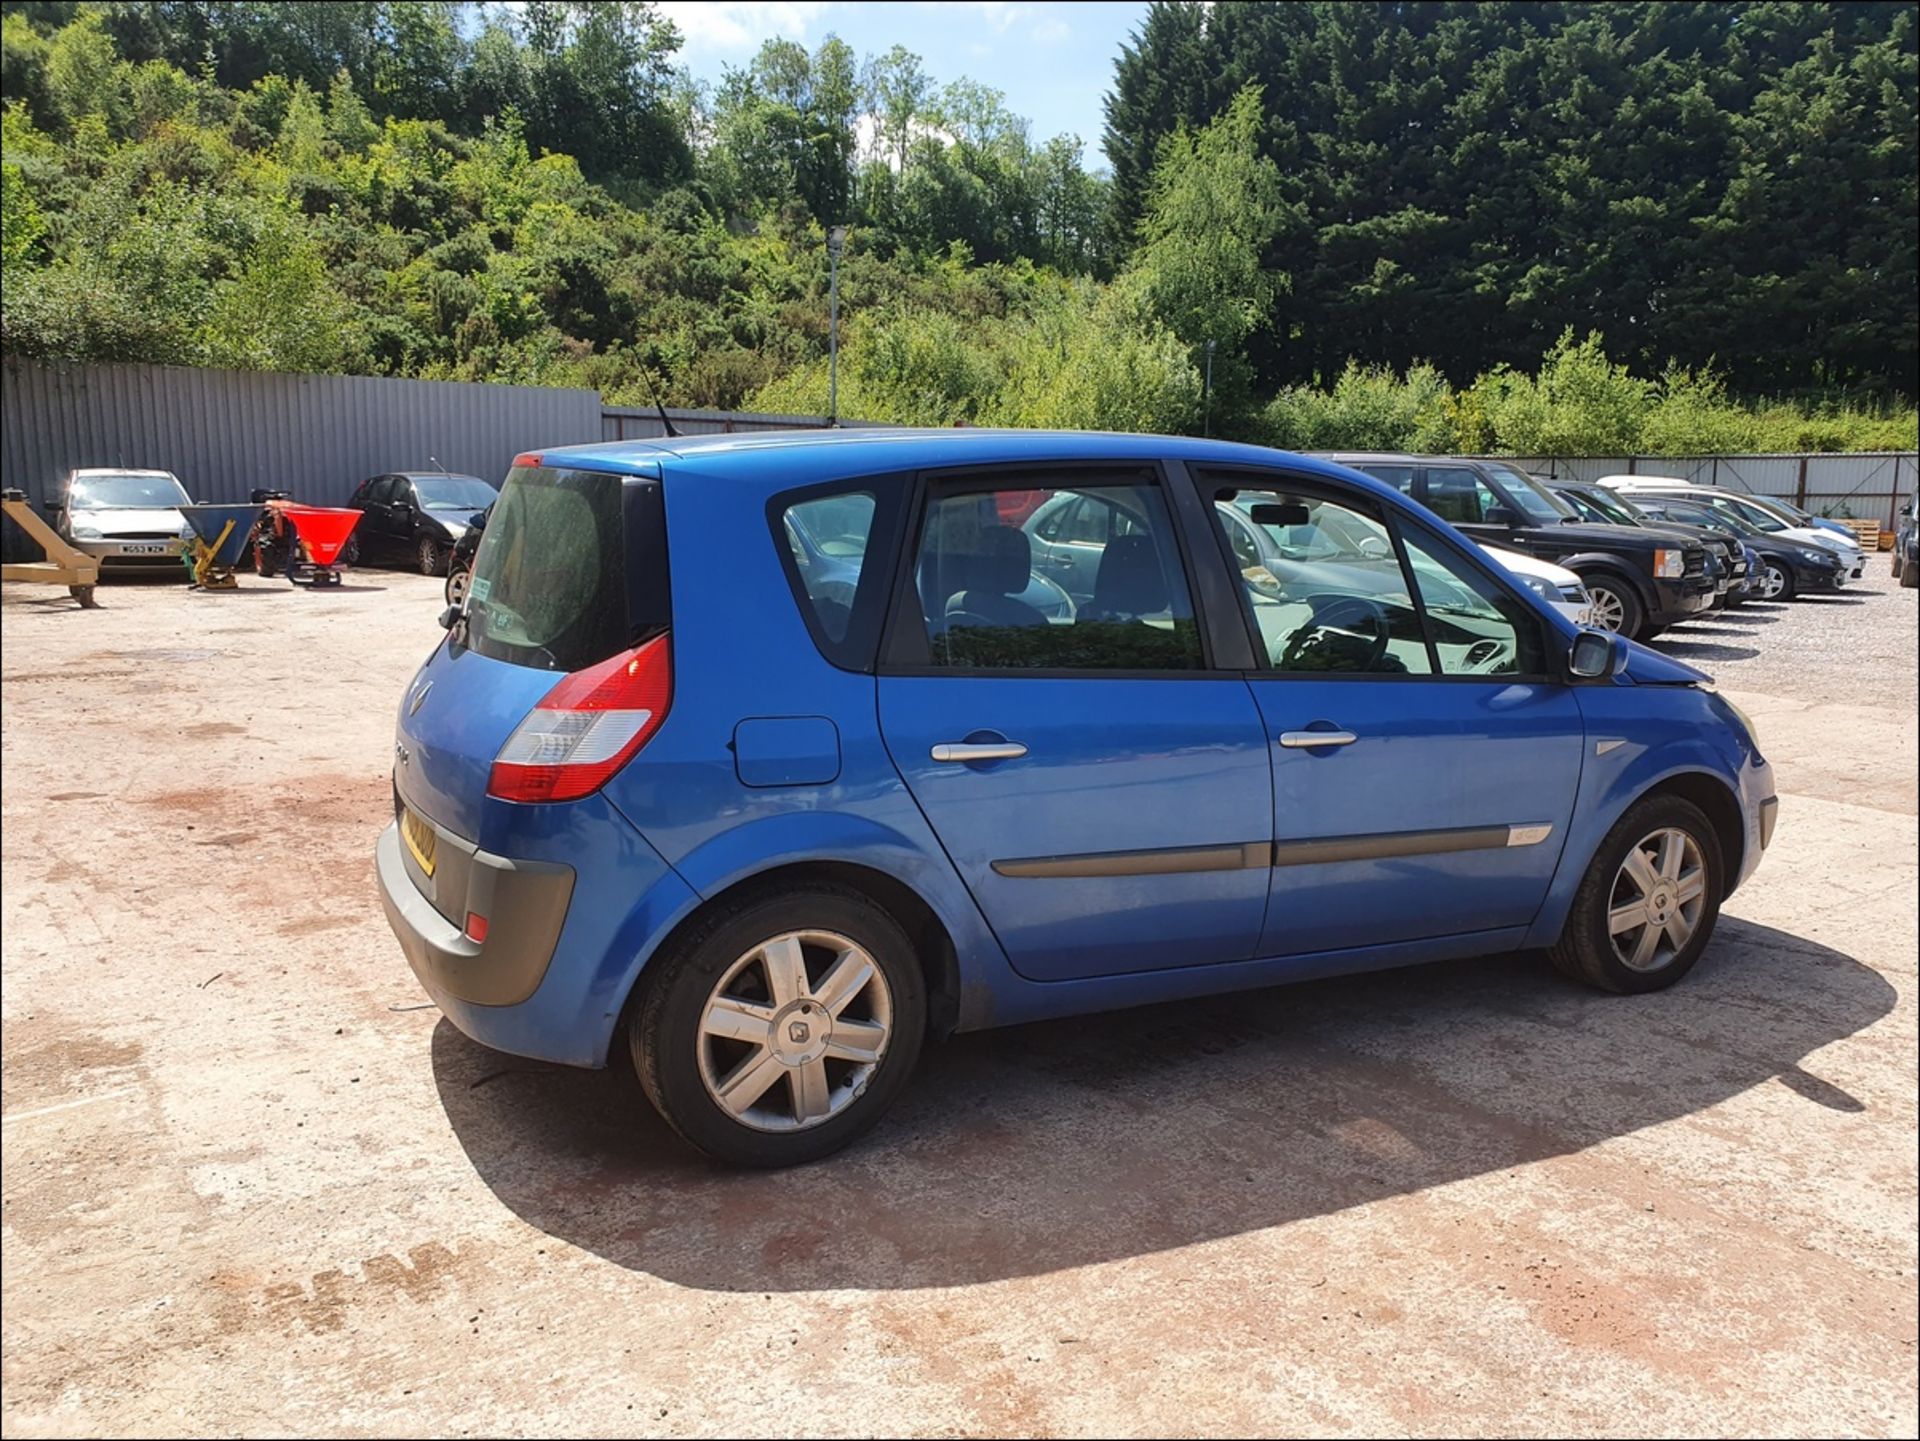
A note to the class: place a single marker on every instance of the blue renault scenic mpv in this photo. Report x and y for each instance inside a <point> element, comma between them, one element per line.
<point>772,756</point>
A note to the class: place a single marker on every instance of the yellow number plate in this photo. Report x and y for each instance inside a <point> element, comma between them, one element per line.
<point>418,835</point>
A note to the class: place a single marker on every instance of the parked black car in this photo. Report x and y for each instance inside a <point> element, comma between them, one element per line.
<point>1787,566</point>
<point>1597,504</point>
<point>460,562</point>
<point>416,517</point>
<point>1641,581</point>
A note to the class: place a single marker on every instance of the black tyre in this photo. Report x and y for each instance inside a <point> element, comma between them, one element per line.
<point>782,1027</point>
<point>432,556</point>
<point>456,586</point>
<point>1776,580</point>
<point>1896,564</point>
<point>1647,905</point>
<point>350,552</point>
<point>1910,577</point>
<point>1616,606</point>
<point>1648,632</point>
<point>265,562</point>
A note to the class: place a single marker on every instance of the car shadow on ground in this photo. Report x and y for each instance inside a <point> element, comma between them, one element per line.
<point>1068,1143</point>
<point>1686,647</point>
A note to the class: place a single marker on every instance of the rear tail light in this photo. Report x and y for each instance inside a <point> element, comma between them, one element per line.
<point>586,727</point>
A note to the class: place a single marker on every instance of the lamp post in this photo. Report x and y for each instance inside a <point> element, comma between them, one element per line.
<point>836,242</point>
<point>1206,395</point>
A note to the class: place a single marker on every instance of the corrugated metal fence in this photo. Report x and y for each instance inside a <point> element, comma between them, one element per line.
<point>1864,486</point>
<point>223,432</point>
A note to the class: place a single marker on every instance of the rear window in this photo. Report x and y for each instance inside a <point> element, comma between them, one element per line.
<point>564,568</point>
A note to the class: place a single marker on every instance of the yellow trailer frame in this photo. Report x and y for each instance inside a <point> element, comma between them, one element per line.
<point>75,569</point>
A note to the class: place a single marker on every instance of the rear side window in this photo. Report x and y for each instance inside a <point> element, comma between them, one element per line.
<point>827,538</point>
<point>559,581</point>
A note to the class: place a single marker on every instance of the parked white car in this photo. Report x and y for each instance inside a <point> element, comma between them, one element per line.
<point>124,518</point>
<point>1757,510</point>
<point>1557,586</point>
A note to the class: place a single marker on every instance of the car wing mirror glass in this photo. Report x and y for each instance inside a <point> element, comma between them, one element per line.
<point>1595,655</point>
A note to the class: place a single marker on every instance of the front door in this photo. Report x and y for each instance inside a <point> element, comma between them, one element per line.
<point>1105,796</point>
<point>1424,766</point>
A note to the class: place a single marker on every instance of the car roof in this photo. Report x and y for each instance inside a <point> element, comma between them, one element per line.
<point>120,470</point>
<point>785,459</point>
<point>435,475</point>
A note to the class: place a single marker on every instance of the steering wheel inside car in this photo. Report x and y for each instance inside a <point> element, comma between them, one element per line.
<point>1346,633</point>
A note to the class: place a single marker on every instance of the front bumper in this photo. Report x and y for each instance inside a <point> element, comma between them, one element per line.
<point>112,553</point>
<point>1678,600</point>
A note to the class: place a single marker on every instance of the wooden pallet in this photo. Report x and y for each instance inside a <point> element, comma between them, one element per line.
<point>1867,532</point>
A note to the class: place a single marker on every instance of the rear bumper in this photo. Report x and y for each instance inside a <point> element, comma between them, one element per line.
<point>525,903</point>
<point>575,912</point>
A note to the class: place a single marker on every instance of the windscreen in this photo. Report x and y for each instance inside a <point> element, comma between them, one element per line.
<point>125,492</point>
<point>549,585</point>
<point>454,492</point>
<point>1539,503</point>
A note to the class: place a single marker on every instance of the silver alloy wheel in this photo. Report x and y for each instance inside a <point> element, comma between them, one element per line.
<point>1658,895</point>
<point>1773,582</point>
<point>457,585</point>
<point>794,1031</point>
<point>1609,611</point>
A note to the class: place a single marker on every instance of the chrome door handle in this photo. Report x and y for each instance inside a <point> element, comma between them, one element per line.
<point>1305,740</point>
<point>993,751</point>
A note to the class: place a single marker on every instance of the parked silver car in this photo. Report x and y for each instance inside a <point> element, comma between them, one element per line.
<point>126,519</point>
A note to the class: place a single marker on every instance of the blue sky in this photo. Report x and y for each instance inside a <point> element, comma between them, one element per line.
<point>1053,61</point>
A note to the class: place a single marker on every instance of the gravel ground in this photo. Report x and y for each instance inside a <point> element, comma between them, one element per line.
<point>1857,647</point>
<point>254,1185</point>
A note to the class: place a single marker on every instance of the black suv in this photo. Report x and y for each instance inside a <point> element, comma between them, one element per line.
<point>1594,502</point>
<point>1641,581</point>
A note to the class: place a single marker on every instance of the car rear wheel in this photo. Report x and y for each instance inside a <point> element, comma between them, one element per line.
<point>1896,564</point>
<point>1910,576</point>
<point>350,552</point>
<point>432,556</point>
<point>1776,582</point>
<point>1615,606</point>
<point>1647,905</point>
<point>783,1027</point>
<point>456,587</point>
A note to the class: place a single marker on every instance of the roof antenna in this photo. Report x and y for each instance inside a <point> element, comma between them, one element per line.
<point>441,468</point>
<point>654,390</point>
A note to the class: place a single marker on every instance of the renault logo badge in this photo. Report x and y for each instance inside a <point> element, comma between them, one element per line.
<point>413,706</point>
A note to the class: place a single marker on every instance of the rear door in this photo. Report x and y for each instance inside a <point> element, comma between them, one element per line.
<point>1424,765</point>
<point>1103,791</point>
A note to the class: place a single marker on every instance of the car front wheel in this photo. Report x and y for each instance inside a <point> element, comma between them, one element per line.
<point>783,1027</point>
<point>1615,606</point>
<point>1776,582</point>
<point>456,587</point>
<point>1647,905</point>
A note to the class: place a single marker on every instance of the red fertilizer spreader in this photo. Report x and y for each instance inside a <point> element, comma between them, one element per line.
<point>302,540</point>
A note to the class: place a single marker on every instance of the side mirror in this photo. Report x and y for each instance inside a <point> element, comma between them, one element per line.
<point>450,617</point>
<point>1595,655</point>
<point>1502,515</point>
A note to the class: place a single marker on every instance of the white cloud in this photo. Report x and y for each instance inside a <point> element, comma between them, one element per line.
<point>729,27</point>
